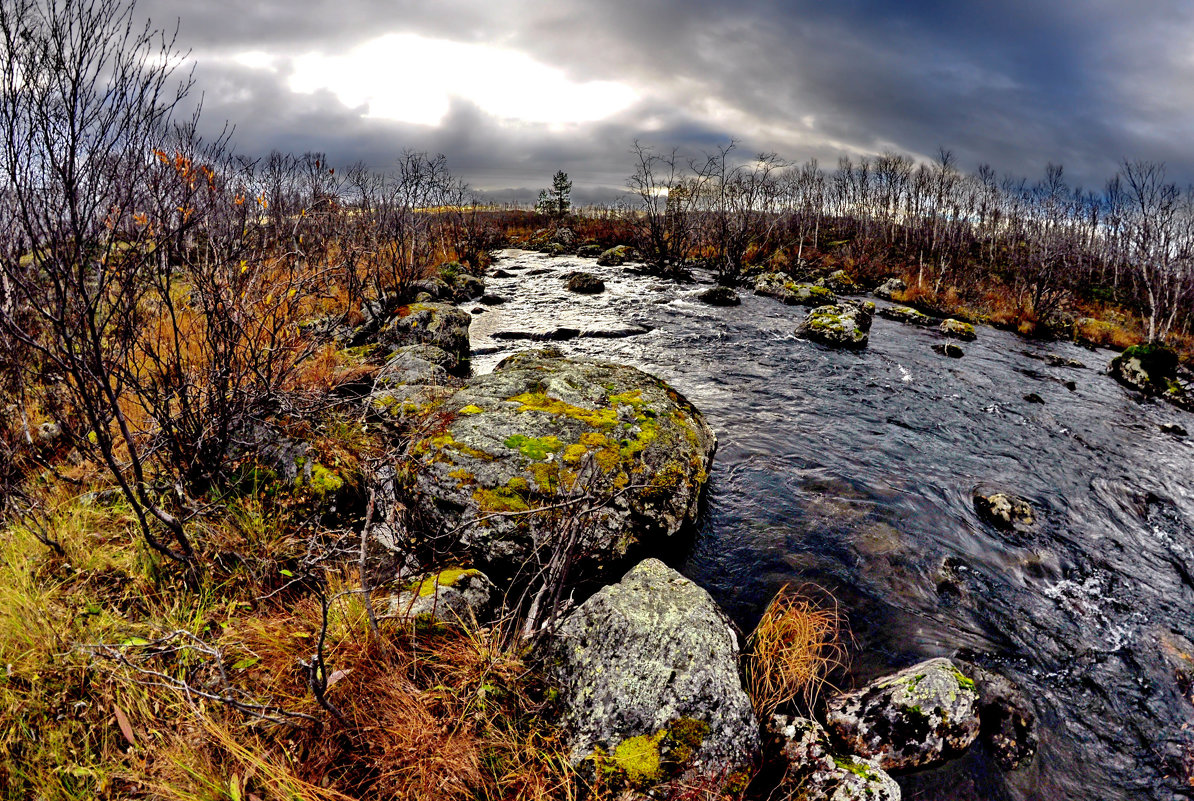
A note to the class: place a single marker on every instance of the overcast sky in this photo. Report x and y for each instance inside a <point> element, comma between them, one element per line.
<point>511,91</point>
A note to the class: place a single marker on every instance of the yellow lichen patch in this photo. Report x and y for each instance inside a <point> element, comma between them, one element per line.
<point>463,477</point>
<point>500,499</point>
<point>445,578</point>
<point>541,402</point>
<point>574,453</point>
<point>472,408</point>
<point>638,757</point>
<point>445,441</point>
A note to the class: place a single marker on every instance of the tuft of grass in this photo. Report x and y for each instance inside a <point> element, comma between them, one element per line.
<point>792,651</point>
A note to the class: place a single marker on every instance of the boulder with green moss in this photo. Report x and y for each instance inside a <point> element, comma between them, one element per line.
<point>648,676</point>
<point>615,256</point>
<point>438,324</point>
<point>590,251</point>
<point>841,325</point>
<point>906,315</point>
<point>783,288</point>
<point>956,329</point>
<point>455,595</point>
<point>920,716</point>
<point>466,286</point>
<point>1154,370</point>
<point>614,454</point>
<point>814,772</point>
<point>839,281</point>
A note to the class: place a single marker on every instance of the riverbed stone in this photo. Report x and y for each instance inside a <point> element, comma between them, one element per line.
<point>919,716</point>
<point>1154,370</point>
<point>629,451</point>
<point>454,595</point>
<point>906,315</point>
<point>589,251</point>
<point>784,289</point>
<point>949,349</point>
<point>615,256</point>
<point>649,684</point>
<point>841,325</point>
<point>957,329</point>
<point>719,296</point>
<point>890,287</point>
<point>1175,429</point>
<point>1008,722</point>
<point>814,772</point>
<point>1004,510</point>
<point>585,283</point>
<point>466,286</point>
<point>438,324</point>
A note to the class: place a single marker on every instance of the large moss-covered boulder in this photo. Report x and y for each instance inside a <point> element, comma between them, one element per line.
<point>841,325</point>
<point>438,324</point>
<point>920,716</point>
<point>956,329</point>
<point>839,281</point>
<point>784,289</point>
<point>1154,370</point>
<point>623,451</point>
<point>906,315</point>
<point>814,772</point>
<point>649,683</point>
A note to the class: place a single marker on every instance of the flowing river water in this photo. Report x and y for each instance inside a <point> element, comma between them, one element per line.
<point>856,472</point>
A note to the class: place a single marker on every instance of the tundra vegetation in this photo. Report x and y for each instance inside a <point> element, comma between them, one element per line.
<point>186,601</point>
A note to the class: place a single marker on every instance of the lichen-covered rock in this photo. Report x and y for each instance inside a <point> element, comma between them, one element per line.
<point>838,281</point>
<point>1007,718</point>
<point>614,257</point>
<point>415,364</point>
<point>783,288</point>
<point>906,315</point>
<point>719,296</point>
<point>1154,370</point>
<point>842,325</point>
<point>890,287</point>
<point>438,324</point>
<point>957,329</point>
<point>455,595</point>
<point>813,772</point>
<point>919,716</point>
<point>467,287</point>
<point>434,287</point>
<point>649,683</point>
<point>589,251</point>
<point>541,429</point>
<point>564,236</point>
<point>1003,510</point>
<point>585,283</point>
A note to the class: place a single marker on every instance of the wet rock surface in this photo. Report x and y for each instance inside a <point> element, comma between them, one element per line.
<point>917,717</point>
<point>648,676</point>
<point>1008,721</point>
<point>719,296</point>
<point>585,283</point>
<point>1004,510</point>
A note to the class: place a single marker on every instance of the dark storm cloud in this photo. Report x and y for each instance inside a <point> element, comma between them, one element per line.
<point>1015,84</point>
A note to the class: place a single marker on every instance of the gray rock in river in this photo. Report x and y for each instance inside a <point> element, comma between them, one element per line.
<point>814,772</point>
<point>783,288</point>
<point>719,296</point>
<point>839,281</point>
<point>906,315</point>
<point>920,716</point>
<point>1007,718</point>
<point>615,256</point>
<point>540,430</point>
<point>957,329</point>
<point>842,325</point>
<point>1154,370</point>
<point>585,283</point>
<point>1003,510</point>
<point>949,349</point>
<point>649,683</point>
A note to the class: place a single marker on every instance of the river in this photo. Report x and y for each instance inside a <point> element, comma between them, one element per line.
<point>856,472</point>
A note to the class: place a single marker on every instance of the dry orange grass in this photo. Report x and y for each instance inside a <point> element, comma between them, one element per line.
<point>794,648</point>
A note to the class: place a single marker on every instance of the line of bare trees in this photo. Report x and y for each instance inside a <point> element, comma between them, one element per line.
<point>152,283</point>
<point>1044,242</point>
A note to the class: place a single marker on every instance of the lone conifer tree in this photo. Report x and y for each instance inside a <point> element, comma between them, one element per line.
<point>561,194</point>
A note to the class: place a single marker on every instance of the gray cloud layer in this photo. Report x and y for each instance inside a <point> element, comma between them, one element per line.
<point>1080,82</point>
